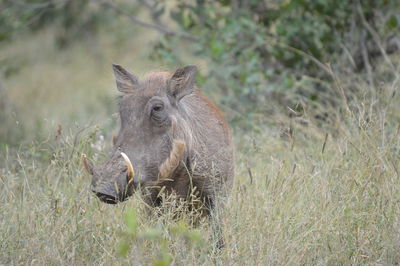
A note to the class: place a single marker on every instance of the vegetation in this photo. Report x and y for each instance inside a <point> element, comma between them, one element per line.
<point>317,144</point>
<point>257,48</point>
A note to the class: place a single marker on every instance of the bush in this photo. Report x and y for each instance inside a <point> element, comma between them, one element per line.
<point>255,47</point>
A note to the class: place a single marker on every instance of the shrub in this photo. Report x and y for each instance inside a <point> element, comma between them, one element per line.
<point>254,48</point>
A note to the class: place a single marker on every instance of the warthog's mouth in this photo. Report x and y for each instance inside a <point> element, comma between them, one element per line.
<point>107,198</point>
<point>110,198</point>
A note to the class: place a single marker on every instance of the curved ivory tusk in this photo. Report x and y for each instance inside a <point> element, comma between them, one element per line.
<point>88,166</point>
<point>131,173</point>
<point>172,162</point>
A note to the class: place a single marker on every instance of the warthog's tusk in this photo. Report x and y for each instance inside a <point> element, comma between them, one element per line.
<point>131,173</point>
<point>88,166</point>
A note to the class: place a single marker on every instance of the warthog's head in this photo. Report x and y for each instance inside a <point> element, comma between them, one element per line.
<point>148,147</point>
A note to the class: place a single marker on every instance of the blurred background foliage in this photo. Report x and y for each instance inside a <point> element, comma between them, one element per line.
<point>256,48</point>
<point>309,86</point>
<point>256,57</point>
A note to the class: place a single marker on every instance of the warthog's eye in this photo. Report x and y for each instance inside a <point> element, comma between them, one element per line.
<point>157,112</point>
<point>157,108</point>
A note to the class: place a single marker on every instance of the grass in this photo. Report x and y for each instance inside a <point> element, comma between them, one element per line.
<point>311,199</point>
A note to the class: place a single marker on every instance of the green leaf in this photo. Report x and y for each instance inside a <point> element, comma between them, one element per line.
<point>392,22</point>
<point>195,237</point>
<point>200,79</point>
<point>179,228</point>
<point>123,248</point>
<point>152,233</point>
<point>177,16</point>
<point>159,11</point>
<point>131,221</point>
<point>187,20</point>
<point>216,47</point>
<point>165,260</point>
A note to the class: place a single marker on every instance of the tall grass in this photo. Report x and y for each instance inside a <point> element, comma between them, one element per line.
<point>301,196</point>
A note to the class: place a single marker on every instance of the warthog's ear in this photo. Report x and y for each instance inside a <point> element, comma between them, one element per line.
<point>126,81</point>
<point>182,82</point>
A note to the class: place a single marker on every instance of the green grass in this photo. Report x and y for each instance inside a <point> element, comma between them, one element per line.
<point>311,200</point>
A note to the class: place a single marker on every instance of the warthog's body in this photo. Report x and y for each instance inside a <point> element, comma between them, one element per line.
<point>175,138</point>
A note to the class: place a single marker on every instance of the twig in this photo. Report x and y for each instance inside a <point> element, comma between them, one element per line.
<point>151,7</point>
<point>324,145</point>
<point>41,7</point>
<point>250,174</point>
<point>304,54</point>
<point>294,168</point>
<point>145,24</point>
<point>349,55</point>
<point>76,137</point>
<point>32,6</point>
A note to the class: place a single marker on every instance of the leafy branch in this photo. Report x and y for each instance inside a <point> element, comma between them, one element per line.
<point>162,29</point>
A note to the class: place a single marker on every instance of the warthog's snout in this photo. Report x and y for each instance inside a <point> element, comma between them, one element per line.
<point>116,190</point>
<point>112,193</point>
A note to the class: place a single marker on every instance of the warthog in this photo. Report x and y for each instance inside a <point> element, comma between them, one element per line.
<point>172,139</point>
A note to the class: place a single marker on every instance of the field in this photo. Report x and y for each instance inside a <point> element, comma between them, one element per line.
<point>302,194</point>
